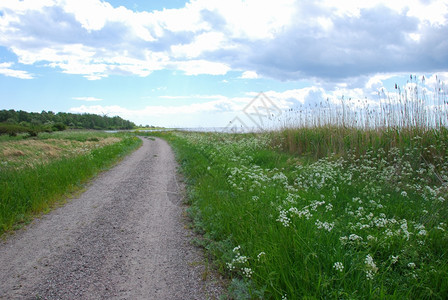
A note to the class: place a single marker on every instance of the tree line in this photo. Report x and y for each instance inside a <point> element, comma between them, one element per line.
<point>61,120</point>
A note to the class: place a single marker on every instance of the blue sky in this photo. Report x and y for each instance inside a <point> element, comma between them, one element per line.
<point>199,63</point>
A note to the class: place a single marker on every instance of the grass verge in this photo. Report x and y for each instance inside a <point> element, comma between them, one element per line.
<point>358,224</point>
<point>26,191</point>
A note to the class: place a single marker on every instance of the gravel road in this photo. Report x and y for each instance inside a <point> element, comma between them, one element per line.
<point>125,237</point>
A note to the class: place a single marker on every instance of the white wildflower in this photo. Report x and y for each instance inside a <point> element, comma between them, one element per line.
<point>356,199</point>
<point>411,265</point>
<point>422,232</point>
<point>338,266</point>
<point>404,194</point>
<point>283,218</point>
<point>371,267</point>
<point>230,266</point>
<point>305,212</point>
<point>369,274</point>
<point>389,232</point>
<point>380,222</point>
<point>241,259</point>
<point>404,227</point>
<point>315,204</point>
<point>294,210</point>
<point>343,239</point>
<point>247,272</point>
<point>371,238</point>
<point>394,259</point>
<point>325,225</point>
<point>353,237</point>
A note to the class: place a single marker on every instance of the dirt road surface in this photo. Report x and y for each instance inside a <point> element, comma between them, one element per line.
<point>125,237</point>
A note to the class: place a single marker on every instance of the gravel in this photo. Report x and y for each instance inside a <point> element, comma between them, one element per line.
<point>125,237</point>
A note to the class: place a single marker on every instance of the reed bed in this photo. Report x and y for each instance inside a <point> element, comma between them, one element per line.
<point>407,117</point>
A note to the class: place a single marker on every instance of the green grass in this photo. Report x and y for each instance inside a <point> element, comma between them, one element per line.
<point>358,224</point>
<point>27,191</point>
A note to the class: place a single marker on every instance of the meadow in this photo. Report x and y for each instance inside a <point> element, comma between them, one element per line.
<point>40,172</point>
<point>326,208</point>
<point>283,226</point>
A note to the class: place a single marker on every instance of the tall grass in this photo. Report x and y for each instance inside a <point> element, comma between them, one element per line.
<point>287,227</point>
<point>410,116</point>
<point>344,202</point>
<point>412,106</point>
<point>27,191</point>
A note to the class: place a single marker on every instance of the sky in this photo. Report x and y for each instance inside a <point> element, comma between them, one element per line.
<point>201,63</point>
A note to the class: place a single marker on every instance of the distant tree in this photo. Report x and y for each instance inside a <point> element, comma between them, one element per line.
<point>49,119</point>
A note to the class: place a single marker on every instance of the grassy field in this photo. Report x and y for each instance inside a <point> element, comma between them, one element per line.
<point>344,201</point>
<point>37,173</point>
<point>353,222</point>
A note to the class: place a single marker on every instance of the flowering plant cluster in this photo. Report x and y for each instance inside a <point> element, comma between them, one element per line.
<point>374,222</point>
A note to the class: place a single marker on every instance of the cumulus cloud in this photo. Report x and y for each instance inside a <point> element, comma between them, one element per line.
<point>249,75</point>
<point>286,40</point>
<point>5,69</point>
<point>218,111</point>
<point>351,47</point>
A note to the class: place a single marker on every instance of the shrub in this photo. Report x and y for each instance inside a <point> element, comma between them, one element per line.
<point>59,127</point>
<point>12,129</point>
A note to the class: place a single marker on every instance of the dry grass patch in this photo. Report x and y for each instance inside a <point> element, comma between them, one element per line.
<point>24,153</point>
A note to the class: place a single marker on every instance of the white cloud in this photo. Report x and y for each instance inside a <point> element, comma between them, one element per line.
<point>92,15</point>
<point>431,11</point>
<point>249,75</point>
<point>252,19</point>
<point>5,69</point>
<point>88,99</point>
<point>376,82</point>
<point>282,40</point>
<point>89,37</point>
<point>197,67</point>
<point>436,79</point>
<point>209,41</point>
<point>216,110</point>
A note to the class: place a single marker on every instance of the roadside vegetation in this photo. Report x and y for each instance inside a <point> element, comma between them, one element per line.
<point>330,209</point>
<point>40,172</point>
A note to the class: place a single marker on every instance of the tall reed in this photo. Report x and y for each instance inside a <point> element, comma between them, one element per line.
<point>407,118</point>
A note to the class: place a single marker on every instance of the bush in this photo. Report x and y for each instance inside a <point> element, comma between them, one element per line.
<point>12,129</point>
<point>59,127</point>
